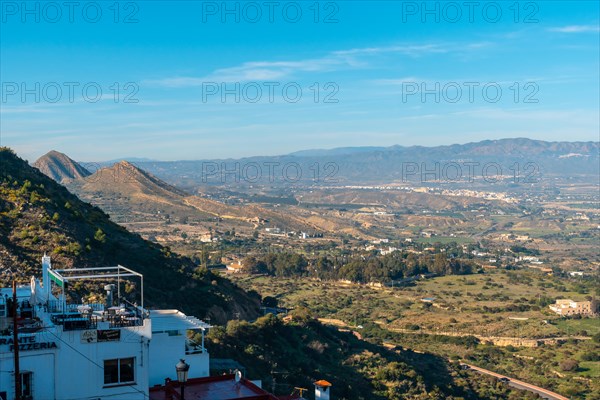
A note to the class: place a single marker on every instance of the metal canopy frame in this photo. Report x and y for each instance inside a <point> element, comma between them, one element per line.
<point>71,274</point>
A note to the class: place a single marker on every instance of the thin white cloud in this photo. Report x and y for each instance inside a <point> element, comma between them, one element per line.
<point>22,110</point>
<point>403,80</point>
<point>265,70</point>
<point>334,61</point>
<point>257,71</point>
<point>415,50</point>
<point>409,50</point>
<point>576,29</point>
<point>574,116</point>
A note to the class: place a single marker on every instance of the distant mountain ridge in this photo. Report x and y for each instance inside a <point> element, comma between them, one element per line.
<point>125,177</point>
<point>345,165</point>
<point>60,167</point>
<point>382,165</point>
<point>485,147</point>
<point>126,189</point>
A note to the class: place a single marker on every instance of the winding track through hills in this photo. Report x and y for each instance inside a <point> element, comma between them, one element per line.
<point>545,393</point>
<point>516,383</point>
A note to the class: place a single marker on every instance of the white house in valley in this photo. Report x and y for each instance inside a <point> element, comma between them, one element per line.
<point>567,307</point>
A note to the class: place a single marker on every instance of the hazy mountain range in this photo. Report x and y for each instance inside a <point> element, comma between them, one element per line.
<point>501,147</point>
<point>134,196</point>
<point>124,190</point>
<point>361,165</point>
<point>380,165</point>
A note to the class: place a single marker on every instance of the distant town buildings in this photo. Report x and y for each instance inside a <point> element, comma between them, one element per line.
<point>388,251</point>
<point>208,238</point>
<point>235,267</point>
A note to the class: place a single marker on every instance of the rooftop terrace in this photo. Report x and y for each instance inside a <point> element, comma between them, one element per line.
<point>47,305</point>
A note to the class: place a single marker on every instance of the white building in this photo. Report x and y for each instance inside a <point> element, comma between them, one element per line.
<point>568,307</point>
<point>114,350</point>
<point>390,250</point>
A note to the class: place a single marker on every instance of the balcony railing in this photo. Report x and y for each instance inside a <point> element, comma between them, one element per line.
<point>88,316</point>
<point>74,321</point>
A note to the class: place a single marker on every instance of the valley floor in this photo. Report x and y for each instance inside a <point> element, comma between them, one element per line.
<point>531,345</point>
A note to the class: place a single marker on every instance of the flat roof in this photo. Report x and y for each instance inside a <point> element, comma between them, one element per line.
<point>170,320</point>
<point>222,387</point>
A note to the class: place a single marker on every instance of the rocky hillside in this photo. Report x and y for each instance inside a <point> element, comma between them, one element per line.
<point>60,167</point>
<point>128,192</point>
<point>38,215</point>
<point>126,179</point>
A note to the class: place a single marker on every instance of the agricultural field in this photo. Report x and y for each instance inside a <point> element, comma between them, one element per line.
<point>466,310</point>
<point>497,303</point>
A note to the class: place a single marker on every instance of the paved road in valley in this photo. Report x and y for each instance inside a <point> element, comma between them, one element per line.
<point>546,394</point>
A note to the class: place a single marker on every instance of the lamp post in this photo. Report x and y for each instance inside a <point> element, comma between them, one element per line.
<point>182,374</point>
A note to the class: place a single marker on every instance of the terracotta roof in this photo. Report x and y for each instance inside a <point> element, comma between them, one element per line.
<point>322,383</point>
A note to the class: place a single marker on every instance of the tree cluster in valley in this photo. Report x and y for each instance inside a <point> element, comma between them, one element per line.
<point>397,265</point>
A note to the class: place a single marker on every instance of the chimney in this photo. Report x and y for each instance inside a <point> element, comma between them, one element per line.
<point>109,295</point>
<point>322,390</point>
<point>46,265</point>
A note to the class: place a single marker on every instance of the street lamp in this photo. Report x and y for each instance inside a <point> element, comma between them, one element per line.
<point>182,374</point>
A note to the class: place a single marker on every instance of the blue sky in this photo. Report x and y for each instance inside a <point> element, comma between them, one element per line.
<point>489,70</point>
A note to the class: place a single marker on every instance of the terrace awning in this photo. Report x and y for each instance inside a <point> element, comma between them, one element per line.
<point>171,320</point>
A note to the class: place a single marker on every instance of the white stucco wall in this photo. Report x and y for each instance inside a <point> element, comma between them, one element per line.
<point>165,353</point>
<point>75,370</point>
